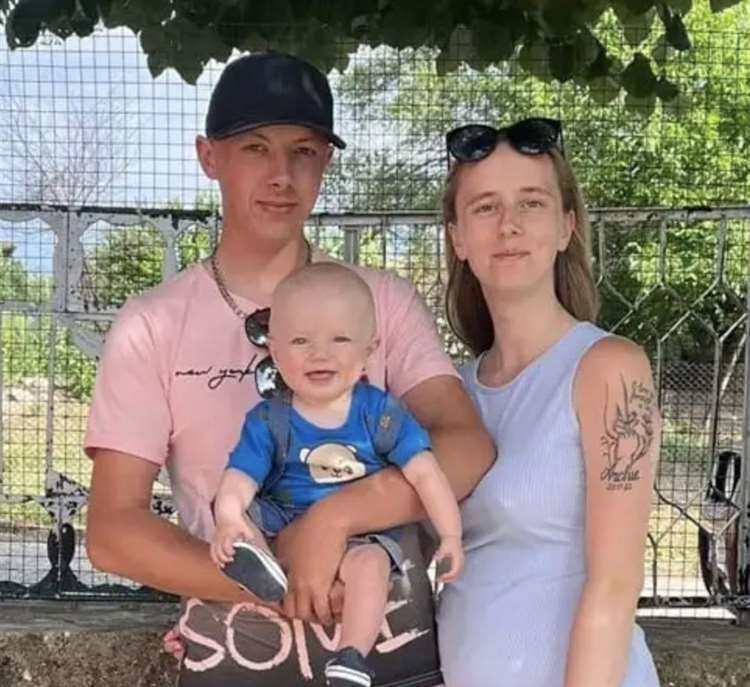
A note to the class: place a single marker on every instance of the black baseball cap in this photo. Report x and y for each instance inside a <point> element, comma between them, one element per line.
<point>270,88</point>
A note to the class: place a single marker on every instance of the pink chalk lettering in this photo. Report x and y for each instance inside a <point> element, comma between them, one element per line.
<point>292,634</point>
<point>285,643</point>
<point>303,656</point>
<point>209,662</point>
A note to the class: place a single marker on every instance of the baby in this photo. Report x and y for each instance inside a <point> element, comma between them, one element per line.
<point>331,428</point>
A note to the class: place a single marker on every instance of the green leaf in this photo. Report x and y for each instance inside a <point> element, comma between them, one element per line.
<point>252,42</point>
<point>197,12</point>
<point>641,106</point>
<point>676,34</point>
<point>534,58</point>
<point>492,42</point>
<point>677,107</point>
<point>516,21</point>
<point>27,18</point>
<point>82,25</point>
<point>134,15</point>
<point>588,49</point>
<point>22,30</point>
<point>154,40</point>
<point>156,64</point>
<point>316,48</point>
<point>639,6</point>
<point>558,20</point>
<point>721,5</point>
<point>460,49</point>
<point>638,79</point>
<point>562,62</point>
<point>661,51</point>
<point>603,89</point>
<point>189,67</point>
<point>666,90</point>
<point>592,10</point>
<point>232,27</point>
<point>637,28</point>
<point>600,66</point>
<point>681,6</point>
<point>406,24</point>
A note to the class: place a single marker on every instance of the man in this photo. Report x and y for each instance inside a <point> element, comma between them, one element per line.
<point>185,361</point>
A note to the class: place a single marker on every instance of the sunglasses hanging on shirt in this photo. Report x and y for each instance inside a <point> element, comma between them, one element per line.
<point>268,379</point>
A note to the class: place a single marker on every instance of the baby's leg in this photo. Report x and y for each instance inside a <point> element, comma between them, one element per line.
<point>365,572</point>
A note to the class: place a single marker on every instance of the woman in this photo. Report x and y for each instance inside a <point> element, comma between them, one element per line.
<point>555,533</point>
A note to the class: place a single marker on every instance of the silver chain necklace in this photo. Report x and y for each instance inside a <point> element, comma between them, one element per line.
<point>222,286</point>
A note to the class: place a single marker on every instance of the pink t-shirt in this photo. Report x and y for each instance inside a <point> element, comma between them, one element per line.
<point>174,384</point>
<point>176,377</point>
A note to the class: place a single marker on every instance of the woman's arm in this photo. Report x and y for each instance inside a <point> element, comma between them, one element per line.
<point>620,428</point>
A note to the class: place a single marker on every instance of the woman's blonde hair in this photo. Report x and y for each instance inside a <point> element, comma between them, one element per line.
<point>466,307</point>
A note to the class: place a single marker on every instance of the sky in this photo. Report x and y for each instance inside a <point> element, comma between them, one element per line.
<point>146,125</point>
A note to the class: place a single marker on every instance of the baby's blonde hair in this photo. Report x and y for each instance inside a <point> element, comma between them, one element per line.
<point>328,279</point>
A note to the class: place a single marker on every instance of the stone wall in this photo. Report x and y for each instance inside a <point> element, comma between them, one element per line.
<point>63,644</point>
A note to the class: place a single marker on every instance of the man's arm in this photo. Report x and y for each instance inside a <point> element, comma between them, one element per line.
<point>125,538</point>
<point>462,446</point>
<point>312,547</point>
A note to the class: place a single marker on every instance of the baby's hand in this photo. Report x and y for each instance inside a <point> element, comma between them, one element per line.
<point>222,545</point>
<point>449,558</point>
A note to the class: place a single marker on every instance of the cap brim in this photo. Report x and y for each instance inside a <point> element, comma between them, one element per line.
<point>242,128</point>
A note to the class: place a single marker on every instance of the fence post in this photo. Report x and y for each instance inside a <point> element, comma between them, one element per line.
<point>743,533</point>
<point>351,245</point>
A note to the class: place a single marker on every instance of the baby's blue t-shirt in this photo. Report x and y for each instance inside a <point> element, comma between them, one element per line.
<point>320,460</point>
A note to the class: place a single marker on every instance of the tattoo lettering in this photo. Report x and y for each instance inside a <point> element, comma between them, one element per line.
<point>628,435</point>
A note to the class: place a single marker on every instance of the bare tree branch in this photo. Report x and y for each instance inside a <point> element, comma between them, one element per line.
<point>74,157</point>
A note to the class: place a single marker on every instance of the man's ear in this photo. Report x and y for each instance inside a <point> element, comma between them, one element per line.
<point>204,147</point>
<point>328,158</point>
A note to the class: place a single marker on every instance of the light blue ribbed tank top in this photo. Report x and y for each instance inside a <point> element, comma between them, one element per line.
<point>506,621</point>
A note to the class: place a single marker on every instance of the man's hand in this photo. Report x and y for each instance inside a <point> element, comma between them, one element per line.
<point>336,599</point>
<point>310,550</point>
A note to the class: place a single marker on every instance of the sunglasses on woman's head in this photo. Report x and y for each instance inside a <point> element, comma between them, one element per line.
<point>533,136</point>
<point>268,379</point>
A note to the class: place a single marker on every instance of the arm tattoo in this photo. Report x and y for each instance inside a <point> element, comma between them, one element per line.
<point>628,435</point>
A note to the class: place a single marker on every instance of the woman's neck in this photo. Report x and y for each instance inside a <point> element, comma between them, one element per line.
<point>523,331</point>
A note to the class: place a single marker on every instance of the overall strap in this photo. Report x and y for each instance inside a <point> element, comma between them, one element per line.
<point>277,414</point>
<point>385,429</point>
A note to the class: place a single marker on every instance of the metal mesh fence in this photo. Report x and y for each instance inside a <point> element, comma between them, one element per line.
<point>87,125</point>
<point>692,322</point>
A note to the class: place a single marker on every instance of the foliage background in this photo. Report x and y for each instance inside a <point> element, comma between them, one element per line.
<point>393,106</point>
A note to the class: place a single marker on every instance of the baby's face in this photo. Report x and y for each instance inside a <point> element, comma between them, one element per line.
<point>320,342</point>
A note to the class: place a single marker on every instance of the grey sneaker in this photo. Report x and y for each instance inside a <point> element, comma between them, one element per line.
<point>348,668</point>
<point>257,571</point>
